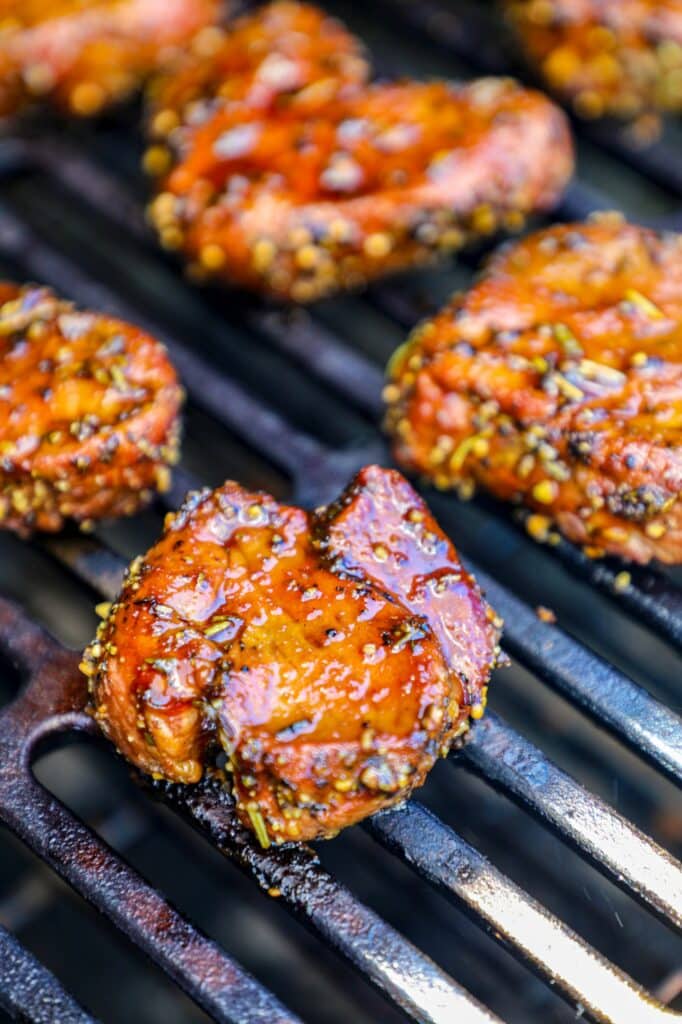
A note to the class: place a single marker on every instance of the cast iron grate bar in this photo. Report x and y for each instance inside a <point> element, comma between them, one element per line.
<point>517,767</point>
<point>222,988</point>
<point>558,973</point>
<point>658,161</point>
<point>435,851</point>
<point>29,992</point>
<point>462,873</point>
<point>52,704</point>
<point>409,978</point>
<point>625,708</point>
<point>647,594</point>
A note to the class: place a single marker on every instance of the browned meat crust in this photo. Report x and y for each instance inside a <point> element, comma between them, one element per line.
<point>556,381</point>
<point>618,57</point>
<point>281,170</point>
<point>332,655</point>
<point>86,54</point>
<point>88,413</point>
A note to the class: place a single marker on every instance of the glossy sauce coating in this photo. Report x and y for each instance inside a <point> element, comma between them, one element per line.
<point>89,411</point>
<point>297,178</point>
<point>380,526</point>
<point>288,53</point>
<point>556,381</point>
<point>617,57</point>
<point>330,692</point>
<point>83,55</point>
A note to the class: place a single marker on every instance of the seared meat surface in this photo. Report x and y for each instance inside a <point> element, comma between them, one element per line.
<point>619,57</point>
<point>332,655</point>
<point>83,55</point>
<point>556,381</point>
<point>285,53</point>
<point>280,169</point>
<point>89,411</point>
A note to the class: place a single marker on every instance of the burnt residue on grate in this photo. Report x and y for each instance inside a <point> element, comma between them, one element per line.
<point>521,862</point>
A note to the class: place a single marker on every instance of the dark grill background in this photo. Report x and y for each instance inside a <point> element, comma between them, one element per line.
<point>53,216</point>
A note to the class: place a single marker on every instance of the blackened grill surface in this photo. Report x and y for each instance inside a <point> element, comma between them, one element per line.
<point>303,392</point>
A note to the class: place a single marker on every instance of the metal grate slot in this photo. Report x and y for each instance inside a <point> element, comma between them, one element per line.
<point>514,765</point>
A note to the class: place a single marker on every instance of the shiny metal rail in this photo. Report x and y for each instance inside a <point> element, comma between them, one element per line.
<point>555,951</point>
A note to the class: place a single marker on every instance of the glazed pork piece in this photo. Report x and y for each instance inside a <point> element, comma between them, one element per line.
<point>89,413</point>
<point>556,382</point>
<point>618,57</point>
<point>331,655</point>
<point>286,52</point>
<point>84,55</point>
<point>282,170</point>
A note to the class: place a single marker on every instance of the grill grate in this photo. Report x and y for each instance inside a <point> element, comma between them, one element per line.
<point>648,595</point>
<point>51,703</point>
<point>32,993</point>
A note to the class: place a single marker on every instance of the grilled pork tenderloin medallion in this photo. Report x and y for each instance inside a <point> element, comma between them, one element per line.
<point>617,57</point>
<point>89,413</point>
<point>332,655</point>
<point>83,55</point>
<point>280,169</point>
<point>556,382</point>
